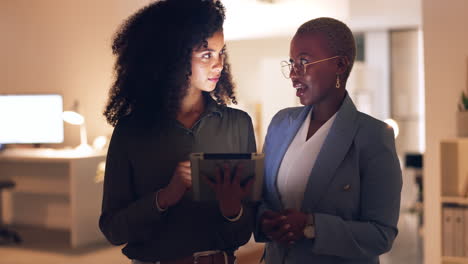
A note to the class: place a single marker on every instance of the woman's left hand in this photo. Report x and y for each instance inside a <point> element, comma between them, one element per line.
<point>229,192</point>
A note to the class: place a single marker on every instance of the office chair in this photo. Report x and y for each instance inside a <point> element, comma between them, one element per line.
<point>7,236</point>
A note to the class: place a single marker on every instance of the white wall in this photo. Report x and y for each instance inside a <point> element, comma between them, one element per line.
<point>384,14</point>
<point>253,19</point>
<point>445,65</point>
<point>257,74</point>
<point>248,19</point>
<point>377,62</point>
<point>54,46</point>
<point>407,99</point>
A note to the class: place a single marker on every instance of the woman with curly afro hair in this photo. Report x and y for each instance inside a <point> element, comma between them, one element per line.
<point>168,100</point>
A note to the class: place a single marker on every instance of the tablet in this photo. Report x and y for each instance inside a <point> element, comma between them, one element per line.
<point>204,167</point>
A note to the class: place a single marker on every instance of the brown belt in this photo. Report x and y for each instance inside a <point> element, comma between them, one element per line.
<point>214,258</point>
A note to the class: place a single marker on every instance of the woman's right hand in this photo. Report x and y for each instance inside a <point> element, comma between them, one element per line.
<point>181,181</point>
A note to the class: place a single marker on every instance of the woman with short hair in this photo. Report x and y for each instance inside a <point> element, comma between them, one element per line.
<point>332,175</point>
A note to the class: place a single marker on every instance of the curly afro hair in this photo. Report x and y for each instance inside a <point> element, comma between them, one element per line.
<point>153,67</point>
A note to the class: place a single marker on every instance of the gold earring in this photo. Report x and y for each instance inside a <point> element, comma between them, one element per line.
<point>338,84</point>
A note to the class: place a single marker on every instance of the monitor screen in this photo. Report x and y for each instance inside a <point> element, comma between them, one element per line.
<point>31,119</point>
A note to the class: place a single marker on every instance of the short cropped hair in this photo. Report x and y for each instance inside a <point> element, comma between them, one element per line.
<point>340,38</point>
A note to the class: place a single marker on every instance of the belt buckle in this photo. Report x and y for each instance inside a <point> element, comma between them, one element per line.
<point>198,255</point>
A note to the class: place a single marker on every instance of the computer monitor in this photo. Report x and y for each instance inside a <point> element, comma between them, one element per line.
<point>31,119</point>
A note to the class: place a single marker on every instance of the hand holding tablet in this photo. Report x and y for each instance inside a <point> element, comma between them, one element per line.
<point>229,190</point>
<point>212,172</point>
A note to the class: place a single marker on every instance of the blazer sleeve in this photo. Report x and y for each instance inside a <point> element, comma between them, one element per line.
<point>375,230</point>
<point>124,217</point>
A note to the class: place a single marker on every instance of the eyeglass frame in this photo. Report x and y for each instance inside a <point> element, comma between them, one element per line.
<point>291,66</point>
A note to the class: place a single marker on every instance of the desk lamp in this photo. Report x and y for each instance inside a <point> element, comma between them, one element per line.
<point>75,118</point>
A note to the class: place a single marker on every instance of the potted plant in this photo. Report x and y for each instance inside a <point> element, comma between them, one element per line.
<point>462,117</point>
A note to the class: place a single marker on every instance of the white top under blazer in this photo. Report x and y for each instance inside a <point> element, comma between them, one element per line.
<point>298,162</point>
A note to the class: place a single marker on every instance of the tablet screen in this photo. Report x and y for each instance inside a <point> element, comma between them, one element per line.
<point>205,166</point>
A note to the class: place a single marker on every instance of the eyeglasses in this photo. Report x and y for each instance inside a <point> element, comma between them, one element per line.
<point>300,68</point>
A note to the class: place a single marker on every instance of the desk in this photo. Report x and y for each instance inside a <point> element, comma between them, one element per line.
<point>56,189</point>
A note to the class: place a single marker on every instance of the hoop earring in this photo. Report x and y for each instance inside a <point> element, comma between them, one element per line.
<point>338,84</point>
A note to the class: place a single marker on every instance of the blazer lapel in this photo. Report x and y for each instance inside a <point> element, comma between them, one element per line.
<point>295,122</point>
<point>333,151</point>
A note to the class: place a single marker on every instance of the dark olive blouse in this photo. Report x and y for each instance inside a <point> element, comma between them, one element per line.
<point>142,161</point>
